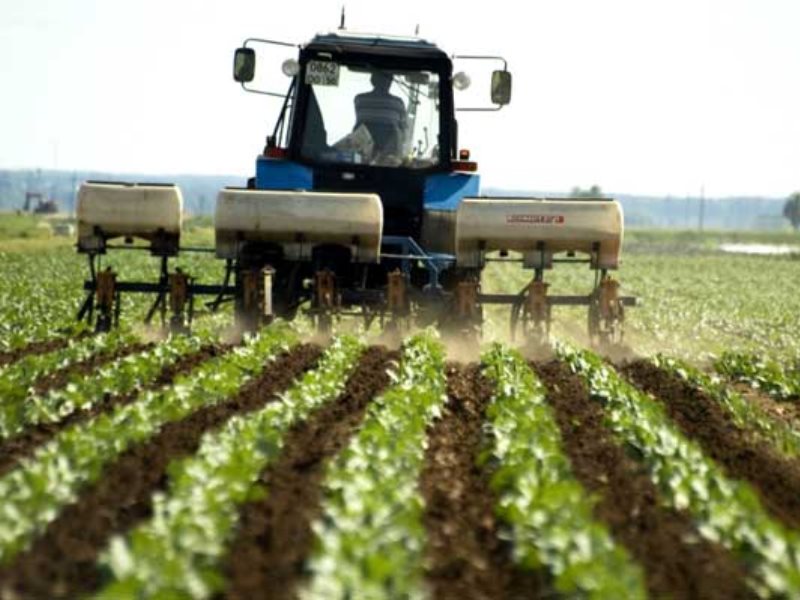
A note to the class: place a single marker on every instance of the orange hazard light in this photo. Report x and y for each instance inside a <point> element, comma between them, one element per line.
<point>464,165</point>
<point>276,152</point>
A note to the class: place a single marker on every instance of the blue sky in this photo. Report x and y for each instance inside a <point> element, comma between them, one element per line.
<point>640,96</point>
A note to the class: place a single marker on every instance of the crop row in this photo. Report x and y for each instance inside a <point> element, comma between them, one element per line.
<point>762,373</point>
<point>119,377</point>
<point>34,493</point>
<point>370,537</point>
<point>748,416</point>
<point>726,511</point>
<point>16,378</point>
<point>178,551</point>
<point>547,510</point>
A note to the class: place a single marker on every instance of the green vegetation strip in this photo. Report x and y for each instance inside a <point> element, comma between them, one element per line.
<point>746,415</point>
<point>177,553</point>
<point>122,376</point>
<point>726,511</point>
<point>761,373</point>
<point>548,511</point>
<point>17,378</point>
<point>40,293</point>
<point>370,538</point>
<point>34,493</point>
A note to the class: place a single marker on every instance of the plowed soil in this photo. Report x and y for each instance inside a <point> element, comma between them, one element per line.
<point>700,417</point>
<point>677,562</point>
<point>10,356</point>
<point>15,449</point>
<point>62,562</point>
<point>466,557</point>
<point>275,538</point>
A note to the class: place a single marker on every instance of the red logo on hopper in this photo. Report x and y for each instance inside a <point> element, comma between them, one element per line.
<point>536,219</point>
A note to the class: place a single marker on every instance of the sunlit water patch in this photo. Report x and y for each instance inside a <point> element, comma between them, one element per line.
<point>760,249</point>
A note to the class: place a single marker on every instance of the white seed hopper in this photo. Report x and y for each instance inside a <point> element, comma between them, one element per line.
<point>538,228</point>
<point>106,211</point>
<point>299,221</point>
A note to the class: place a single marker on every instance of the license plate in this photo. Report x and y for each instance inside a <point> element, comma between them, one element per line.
<point>322,72</point>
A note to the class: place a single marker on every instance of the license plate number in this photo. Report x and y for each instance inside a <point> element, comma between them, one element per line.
<point>321,72</point>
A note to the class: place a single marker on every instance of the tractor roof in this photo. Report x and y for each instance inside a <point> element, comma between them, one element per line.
<point>385,45</point>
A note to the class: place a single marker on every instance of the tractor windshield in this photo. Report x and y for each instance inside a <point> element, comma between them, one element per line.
<point>361,115</point>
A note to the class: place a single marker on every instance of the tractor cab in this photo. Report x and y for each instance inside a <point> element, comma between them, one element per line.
<point>366,114</point>
<point>355,107</point>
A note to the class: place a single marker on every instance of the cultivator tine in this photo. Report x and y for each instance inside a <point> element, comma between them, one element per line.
<point>538,312</point>
<point>106,300</point>
<point>179,302</point>
<point>255,307</point>
<point>326,300</point>
<point>397,300</point>
<point>606,313</point>
<point>531,313</point>
<point>468,312</point>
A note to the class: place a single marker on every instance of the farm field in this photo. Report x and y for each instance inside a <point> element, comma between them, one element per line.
<point>133,465</point>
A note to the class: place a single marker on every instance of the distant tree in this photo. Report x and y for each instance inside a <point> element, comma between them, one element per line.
<point>592,192</point>
<point>791,210</point>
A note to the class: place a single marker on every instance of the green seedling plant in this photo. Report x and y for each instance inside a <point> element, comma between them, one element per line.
<point>370,539</point>
<point>761,373</point>
<point>725,511</point>
<point>119,377</point>
<point>178,552</point>
<point>17,378</point>
<point>35,492</point>
<point>547,511</point>
<point>746,415</point>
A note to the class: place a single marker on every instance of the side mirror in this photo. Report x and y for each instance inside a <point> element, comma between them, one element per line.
<point>501,87</point>
<point>244,65</point>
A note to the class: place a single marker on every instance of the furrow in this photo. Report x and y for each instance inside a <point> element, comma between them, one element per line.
<point>19,447</point>
<point>787,413</point>
<point>700,417</point>
<point>747,416</point>
<point>62,562</point>
<point>86,367</point>
<point>678,563</point>
<point>8,357</point>
<point>274,539</point>
<point>466,557</point>
<point>35,493</point>
<point>725,510</point>
<point>549,516</point>
<point>19,378</point>
<point>369,539</point>
<point>179,552</point>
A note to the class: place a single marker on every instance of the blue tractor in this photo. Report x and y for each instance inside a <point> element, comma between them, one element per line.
<point>363,204</point>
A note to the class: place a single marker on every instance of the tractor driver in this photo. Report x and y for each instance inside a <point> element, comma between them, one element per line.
<point>383,114</point>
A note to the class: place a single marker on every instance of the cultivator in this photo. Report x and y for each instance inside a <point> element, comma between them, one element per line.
<point>380,219</point>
